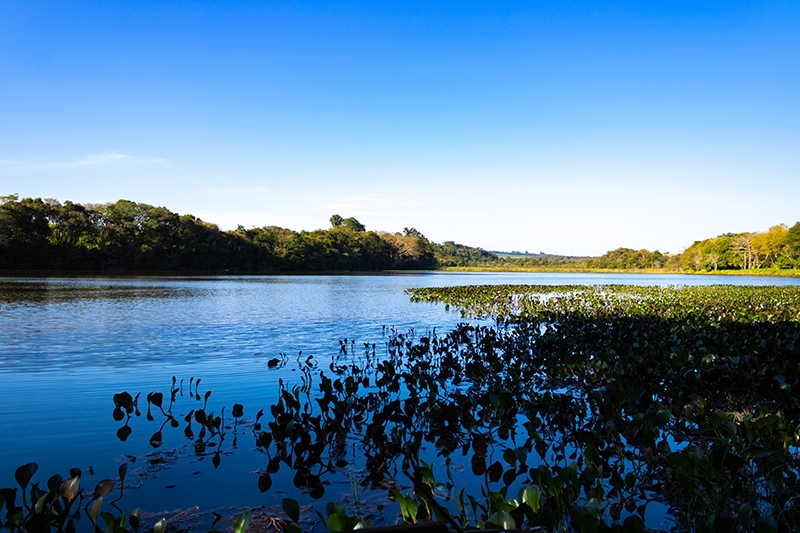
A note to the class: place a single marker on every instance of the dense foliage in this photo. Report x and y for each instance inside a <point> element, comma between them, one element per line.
<point>450,254</point>
<point>544,261</point>
<point>779,247</point>
<point>625,258</point>
<point>57,505</point>
<point>684,395</point>
<point>45,234</point>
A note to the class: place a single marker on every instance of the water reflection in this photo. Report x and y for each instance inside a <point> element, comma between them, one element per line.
<point>67,345</point>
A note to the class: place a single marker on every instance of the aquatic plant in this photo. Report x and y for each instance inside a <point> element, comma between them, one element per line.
<point>577,408</point>
<point>58,507</point>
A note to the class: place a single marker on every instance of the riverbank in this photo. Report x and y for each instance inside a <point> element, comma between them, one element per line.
<point>769,272</point>
<point>123,273</point>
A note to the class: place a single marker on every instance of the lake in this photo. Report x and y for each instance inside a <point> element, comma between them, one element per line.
<point>68,344</point>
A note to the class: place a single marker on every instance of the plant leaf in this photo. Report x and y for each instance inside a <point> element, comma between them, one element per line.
<point>503,519</point>
<point>109,519</point>
<point>241,522</point>
<point>103,488</point>
<point>136,519</point>
<point>96,509</point>
<point>25,473</point>
<point>292,509</point>
<point>160,526</point>
<point>338,523</point>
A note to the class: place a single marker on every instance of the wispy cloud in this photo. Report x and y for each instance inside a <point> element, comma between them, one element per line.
<point>93,160</point>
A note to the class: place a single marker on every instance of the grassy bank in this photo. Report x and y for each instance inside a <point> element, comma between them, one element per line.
<point>557,269</point>
<point>578,270</point>
<point>784,273</point>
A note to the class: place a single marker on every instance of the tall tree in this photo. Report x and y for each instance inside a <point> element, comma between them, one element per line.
<point>769,246</point>
<point>793,245</point>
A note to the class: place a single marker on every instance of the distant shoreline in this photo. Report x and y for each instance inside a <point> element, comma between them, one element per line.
<point>766,272</point>
<point>126,236</point>
<point>771,272</point>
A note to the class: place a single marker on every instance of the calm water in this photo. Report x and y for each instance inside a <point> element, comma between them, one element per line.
<point>67,344</point>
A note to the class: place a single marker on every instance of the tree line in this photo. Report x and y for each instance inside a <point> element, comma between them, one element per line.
<point>778,247</point>
<point>125,235</point>
<point>46,234</point>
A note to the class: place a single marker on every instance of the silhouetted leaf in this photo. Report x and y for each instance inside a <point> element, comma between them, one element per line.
<point>38,523</point>
<point>495,471</point>
<point>156,439</point>
<point>633,524</point>
<point>288,527</point>
<point>53,483</point>
<point>264,439</point>
<point>123,433</point>
<point>157,399</point>
<point>292,509</point>
<point>264,482</point>
<point>136,519</point>
<point>478,465</point>
<point>317,491</point>
<point>25,473</point>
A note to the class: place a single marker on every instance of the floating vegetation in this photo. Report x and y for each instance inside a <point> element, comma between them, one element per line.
<point>60,506</point>
<point>683,393</point>
<point>579,408</point>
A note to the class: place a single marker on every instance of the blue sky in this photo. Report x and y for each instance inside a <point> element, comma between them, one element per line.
<point>564,127</point>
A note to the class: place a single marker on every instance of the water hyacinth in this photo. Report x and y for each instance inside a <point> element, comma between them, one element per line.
<point>584,408</point>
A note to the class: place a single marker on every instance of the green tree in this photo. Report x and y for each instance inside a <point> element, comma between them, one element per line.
<point>627,258</point>
<point>769,246</point>
<point>24,232</point>
<point>410,250</point>
<point>353,224</point>
<point>793,245</point>
<point>451,254</point>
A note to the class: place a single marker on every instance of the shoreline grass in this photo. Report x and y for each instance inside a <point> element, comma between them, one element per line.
<point>763,272</point>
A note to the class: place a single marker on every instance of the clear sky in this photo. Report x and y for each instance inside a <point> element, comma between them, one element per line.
<point>564,127</point>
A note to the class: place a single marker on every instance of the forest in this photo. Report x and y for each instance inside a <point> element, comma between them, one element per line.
<point>38,234</point>
<point>46,234</point>
<point>779,247</point>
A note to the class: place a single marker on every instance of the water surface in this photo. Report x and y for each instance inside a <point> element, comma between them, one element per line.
<point>67,344</point>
